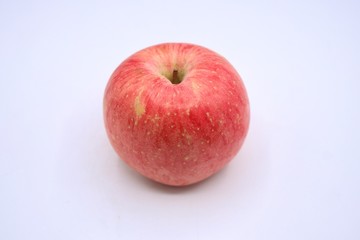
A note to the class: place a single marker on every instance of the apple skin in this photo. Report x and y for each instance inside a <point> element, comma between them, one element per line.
<point>176,134</point>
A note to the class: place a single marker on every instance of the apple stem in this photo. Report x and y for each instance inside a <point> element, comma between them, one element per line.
<point>175,77</point>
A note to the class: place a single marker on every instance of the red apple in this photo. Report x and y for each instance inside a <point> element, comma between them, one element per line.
<point>176,112</point>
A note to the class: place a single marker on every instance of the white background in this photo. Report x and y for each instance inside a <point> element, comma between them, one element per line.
<point>296,177</point>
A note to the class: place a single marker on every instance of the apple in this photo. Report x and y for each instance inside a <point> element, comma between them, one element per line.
<point>176,112</point>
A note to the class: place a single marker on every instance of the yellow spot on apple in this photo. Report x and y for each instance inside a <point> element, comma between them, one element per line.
<point>195,87</point>
<point>139,108</point>
<point>210,119</point>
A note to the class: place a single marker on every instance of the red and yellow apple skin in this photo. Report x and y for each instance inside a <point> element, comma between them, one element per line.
<point>176,133</point>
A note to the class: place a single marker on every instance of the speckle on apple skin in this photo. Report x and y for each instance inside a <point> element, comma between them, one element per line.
<point>176,134</point>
